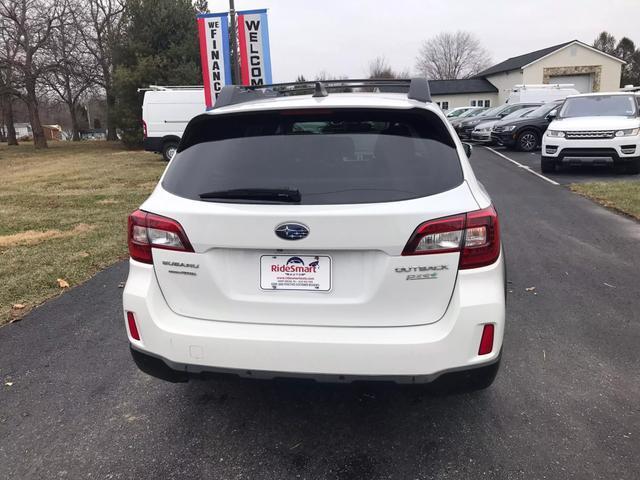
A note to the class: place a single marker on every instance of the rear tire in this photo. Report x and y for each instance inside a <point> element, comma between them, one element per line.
<point>527,141</point>
<point>547,165</point>
<point>169,150</point>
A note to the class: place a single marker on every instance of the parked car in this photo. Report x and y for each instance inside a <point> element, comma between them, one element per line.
<point>544,93</point>
<point>339,236</point>
<point>525,133</point>
<point>472,112</point>
<point>482,132</point>
<point>165,114</point>
<point>465,127</point>
<point>597,129</point>
<point>456,112</point>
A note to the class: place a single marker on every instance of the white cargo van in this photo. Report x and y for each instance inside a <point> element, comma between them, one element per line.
<point>165,114</point>
<point>541,93</point>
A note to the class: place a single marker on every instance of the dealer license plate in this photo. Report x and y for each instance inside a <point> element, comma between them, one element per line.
<point>295,272</point>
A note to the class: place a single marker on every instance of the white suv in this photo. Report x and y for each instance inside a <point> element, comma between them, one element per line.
<point>595,128</point>
<point>336,236</point>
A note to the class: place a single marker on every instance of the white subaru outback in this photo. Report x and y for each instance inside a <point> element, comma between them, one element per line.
<point>304,233</point>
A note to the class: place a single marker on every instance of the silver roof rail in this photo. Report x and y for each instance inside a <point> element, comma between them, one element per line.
<point>417,89</point>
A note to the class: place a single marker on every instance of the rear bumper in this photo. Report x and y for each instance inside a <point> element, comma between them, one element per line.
<point>178,372</point>
<point>152,144</point>
<point>412,354</point>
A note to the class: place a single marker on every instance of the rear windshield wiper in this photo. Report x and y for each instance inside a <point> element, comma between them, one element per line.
<point>263,194</point>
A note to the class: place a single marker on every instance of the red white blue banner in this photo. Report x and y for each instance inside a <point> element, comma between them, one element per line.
<point>213,30</point>
<point>255,57</point>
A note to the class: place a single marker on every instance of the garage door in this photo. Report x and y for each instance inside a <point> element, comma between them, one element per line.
<point>583,83</point>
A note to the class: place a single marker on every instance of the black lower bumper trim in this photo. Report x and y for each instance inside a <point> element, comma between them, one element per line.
<point>177,373</point>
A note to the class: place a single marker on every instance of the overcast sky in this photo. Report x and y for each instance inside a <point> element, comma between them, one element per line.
<point>342,36</point>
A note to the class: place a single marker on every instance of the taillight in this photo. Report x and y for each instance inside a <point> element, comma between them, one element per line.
<point>437,236</point>
<point>476,235</point>
<point>147,230</point>
<point>482,239</point>
<point>144,129</point>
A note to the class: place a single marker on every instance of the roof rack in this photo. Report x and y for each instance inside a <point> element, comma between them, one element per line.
<point>417,88</point>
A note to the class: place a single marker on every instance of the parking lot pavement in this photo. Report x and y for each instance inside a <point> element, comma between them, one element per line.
<point>564,406</point>
<point>566,176</point>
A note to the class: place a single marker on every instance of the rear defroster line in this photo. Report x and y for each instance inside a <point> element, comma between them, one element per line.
<point>528,169</point>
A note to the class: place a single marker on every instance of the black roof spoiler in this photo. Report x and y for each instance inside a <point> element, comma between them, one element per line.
<point>416,88</point>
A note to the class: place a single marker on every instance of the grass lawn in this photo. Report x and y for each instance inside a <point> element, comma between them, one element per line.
<point>63,215</point>
<point>623,196</point>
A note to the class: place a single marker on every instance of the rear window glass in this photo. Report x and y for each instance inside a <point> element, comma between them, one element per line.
<point>328,157</point>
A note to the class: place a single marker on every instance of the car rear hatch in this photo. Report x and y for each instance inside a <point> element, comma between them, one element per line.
<point>301,218</point>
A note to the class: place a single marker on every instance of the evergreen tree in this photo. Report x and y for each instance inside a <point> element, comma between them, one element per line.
<point>161,48</point>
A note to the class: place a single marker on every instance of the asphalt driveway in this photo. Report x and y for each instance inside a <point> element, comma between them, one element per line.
<point>565,405</point>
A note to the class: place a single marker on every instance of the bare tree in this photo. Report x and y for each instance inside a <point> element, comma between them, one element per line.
<point>30,23</point>
<point>75,71</point>
<point>103,32</point>
<point>450,56</point>
<point>380,68</point>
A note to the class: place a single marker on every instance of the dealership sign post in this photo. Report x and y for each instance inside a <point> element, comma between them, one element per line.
<point>213,30</point>
<point>255,57</point>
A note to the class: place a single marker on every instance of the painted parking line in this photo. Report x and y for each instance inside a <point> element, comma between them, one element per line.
<point>527,168</point>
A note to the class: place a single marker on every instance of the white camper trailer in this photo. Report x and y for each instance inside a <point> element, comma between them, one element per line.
<point>165,114</point>
<point>543,93</point>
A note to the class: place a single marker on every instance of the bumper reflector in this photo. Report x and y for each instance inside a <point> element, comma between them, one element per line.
<point>133,328</point>
<point>486,342</point>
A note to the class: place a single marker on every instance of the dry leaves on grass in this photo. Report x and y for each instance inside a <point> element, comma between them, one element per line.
<point>62,283</point>
<point>18,306</point>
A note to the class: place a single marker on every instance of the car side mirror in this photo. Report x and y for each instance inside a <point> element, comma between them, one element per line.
<point>468,149</point>
<point>552,115</point>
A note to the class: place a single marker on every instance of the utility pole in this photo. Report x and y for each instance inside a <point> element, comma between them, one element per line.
<point>234,44</point>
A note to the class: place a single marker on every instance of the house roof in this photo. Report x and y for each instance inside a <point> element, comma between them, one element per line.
<point>516,63</point>
<point>521,61</point>
<point>465,85</point>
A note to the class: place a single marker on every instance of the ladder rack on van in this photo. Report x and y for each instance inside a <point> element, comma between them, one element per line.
<point>417,88</point>
<point>163,88</point>
<point>543,86</point>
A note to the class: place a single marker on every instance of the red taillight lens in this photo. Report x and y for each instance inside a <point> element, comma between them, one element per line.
<point>133,328</point>
<point>144,129</point>
<point>486,342</point>
<point>476,235</point>
<point>482,239</point>
<point>147,230</point>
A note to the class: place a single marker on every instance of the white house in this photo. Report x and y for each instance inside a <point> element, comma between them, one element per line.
<point>589,69</point>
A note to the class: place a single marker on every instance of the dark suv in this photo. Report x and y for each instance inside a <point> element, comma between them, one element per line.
<point>525,133</point>
<point>464,128</point>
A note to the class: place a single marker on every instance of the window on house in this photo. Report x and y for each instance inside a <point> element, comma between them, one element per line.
<point>444,106</point>
<point>480,103</point>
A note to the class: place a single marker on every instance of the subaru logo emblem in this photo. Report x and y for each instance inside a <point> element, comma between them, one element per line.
<point>292,231</point>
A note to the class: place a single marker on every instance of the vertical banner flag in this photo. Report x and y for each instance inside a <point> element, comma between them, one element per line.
<point>213,31</point>
<point>255,57</point>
